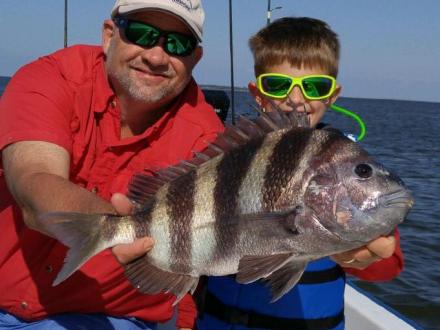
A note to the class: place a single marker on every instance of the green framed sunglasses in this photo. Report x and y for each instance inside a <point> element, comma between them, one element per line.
<point>146,35</point>
<point>279,86</point>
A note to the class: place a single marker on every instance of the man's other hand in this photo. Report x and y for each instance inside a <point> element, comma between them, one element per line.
<point>126,253</point>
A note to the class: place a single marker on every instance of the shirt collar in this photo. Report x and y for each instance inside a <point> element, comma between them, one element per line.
<point>184,103</point>
<point>102,92</point>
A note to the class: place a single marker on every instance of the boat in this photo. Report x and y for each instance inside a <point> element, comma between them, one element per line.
<point>362,312</point>
<point>365,312</point>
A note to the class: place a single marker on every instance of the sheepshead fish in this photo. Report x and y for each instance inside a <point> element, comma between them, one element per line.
<point>261,202</point>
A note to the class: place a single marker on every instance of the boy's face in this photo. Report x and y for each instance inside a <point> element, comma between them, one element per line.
<point>296,101</point>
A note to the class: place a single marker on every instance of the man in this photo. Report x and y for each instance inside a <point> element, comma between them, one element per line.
<point>74,127</point>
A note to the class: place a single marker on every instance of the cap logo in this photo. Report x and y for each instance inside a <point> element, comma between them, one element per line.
<point>184,3</point>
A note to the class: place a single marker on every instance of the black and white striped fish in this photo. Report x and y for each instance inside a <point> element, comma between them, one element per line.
<point>263,200</point>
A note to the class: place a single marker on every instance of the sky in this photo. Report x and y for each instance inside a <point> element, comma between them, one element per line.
<point>390,49</point>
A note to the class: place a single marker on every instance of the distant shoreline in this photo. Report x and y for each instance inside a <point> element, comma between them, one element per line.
<point>4,80</point>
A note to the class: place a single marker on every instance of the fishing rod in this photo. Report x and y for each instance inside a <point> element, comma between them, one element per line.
<point>65,23</point>
<point>231,52</point>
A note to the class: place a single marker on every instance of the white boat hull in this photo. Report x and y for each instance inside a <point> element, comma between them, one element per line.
<point>361,313</point>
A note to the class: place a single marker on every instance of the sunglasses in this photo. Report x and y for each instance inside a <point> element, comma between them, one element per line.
<point>146,35</point>
<point>313,87</point>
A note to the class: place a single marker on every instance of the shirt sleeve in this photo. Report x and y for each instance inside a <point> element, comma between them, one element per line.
<point>209,135</point>
<point>383,270</point>
<point>186,312</point>
<point>37,106</point>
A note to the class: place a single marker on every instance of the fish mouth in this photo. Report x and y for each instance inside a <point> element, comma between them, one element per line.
<point>401,198</point>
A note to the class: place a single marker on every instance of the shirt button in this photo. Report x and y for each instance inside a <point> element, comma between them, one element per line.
<point>49,268</point>
<point>24,305</point>
<point>113,104</point>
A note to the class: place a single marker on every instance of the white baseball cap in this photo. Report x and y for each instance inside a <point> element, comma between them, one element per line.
<point>189,11</point>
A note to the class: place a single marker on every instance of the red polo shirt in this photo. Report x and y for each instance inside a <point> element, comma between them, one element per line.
<point>65,98</point>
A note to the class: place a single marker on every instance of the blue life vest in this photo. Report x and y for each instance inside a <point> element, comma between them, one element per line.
<point>316,302</point>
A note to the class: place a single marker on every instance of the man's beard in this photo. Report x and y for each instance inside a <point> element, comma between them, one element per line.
<point>140,93</point>
<point>144,94</point>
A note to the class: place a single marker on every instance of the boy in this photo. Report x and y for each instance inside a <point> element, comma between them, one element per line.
<point>296,64</point>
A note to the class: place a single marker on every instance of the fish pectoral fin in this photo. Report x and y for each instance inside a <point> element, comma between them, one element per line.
<point>268,223</point>
<point>152,280</point>
<point>252,268</point>
<point>285,278</point>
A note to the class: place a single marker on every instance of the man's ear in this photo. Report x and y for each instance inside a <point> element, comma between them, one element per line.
<point>258,97</point>
<point>108,30</point>
<point>198,53</point>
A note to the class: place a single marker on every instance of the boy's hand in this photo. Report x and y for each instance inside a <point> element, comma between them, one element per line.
<point>125,253</point>
<point>361,258</point>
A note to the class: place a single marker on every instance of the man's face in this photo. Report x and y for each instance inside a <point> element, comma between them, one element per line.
<point>147,75</point>
<point>296,101</point>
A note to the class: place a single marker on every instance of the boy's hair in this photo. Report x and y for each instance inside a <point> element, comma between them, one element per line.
<point>301,41</point>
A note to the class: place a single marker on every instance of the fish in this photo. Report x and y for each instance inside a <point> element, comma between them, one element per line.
<point>265,198</point>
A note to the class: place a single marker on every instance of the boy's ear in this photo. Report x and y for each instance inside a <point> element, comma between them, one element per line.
<point>335,94</point>
<point>258,97</point>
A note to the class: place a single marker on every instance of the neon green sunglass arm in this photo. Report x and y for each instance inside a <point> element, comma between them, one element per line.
<point>354,116</point>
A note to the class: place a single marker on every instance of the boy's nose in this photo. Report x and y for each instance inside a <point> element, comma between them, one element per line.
<point>296,95</point>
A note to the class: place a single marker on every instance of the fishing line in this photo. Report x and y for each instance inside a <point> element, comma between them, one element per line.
<point>352,115</point>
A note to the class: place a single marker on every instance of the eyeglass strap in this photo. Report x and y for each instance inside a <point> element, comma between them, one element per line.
<point>362,127</point>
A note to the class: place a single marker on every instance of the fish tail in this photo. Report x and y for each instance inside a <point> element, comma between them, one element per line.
<point>84,234</point>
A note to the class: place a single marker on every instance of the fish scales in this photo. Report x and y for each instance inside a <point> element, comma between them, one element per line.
<point>288,158</point>
<point>180,207</point>
<point>159,228</point>
<point>250,197</point>
<point>231,172</point>
<point>203,217</point>
<point>262,201</point>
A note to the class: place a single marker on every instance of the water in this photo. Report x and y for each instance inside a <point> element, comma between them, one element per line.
<point>403,136</point>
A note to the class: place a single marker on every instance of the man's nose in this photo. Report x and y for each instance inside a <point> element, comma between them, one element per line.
<point>156,55</point>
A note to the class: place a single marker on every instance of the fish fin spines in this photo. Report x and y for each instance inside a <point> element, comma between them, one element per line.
<point>286,119</point>
<point>152,280</point>
<point>253,268</point>
<point>283,279</point>
<point>249,127</point>
<point>143,187</point>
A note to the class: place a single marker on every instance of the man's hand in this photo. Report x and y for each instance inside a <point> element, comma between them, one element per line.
<point>125,253</point>
<point>361,258</point>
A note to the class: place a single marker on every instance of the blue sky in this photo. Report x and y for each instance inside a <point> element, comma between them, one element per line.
<point>390,48</point>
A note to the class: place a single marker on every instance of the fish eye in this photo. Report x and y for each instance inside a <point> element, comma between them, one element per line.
<point>363,171</point>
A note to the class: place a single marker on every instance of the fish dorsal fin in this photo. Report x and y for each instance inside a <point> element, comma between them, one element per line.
<point>143,186</point>
<point>288,119</point>
<point>246,130</point>
<point>250,128</point>
<point>283,279</point>
<point>152,280</point>
<point>252,268</point>
<point>279,119</point>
